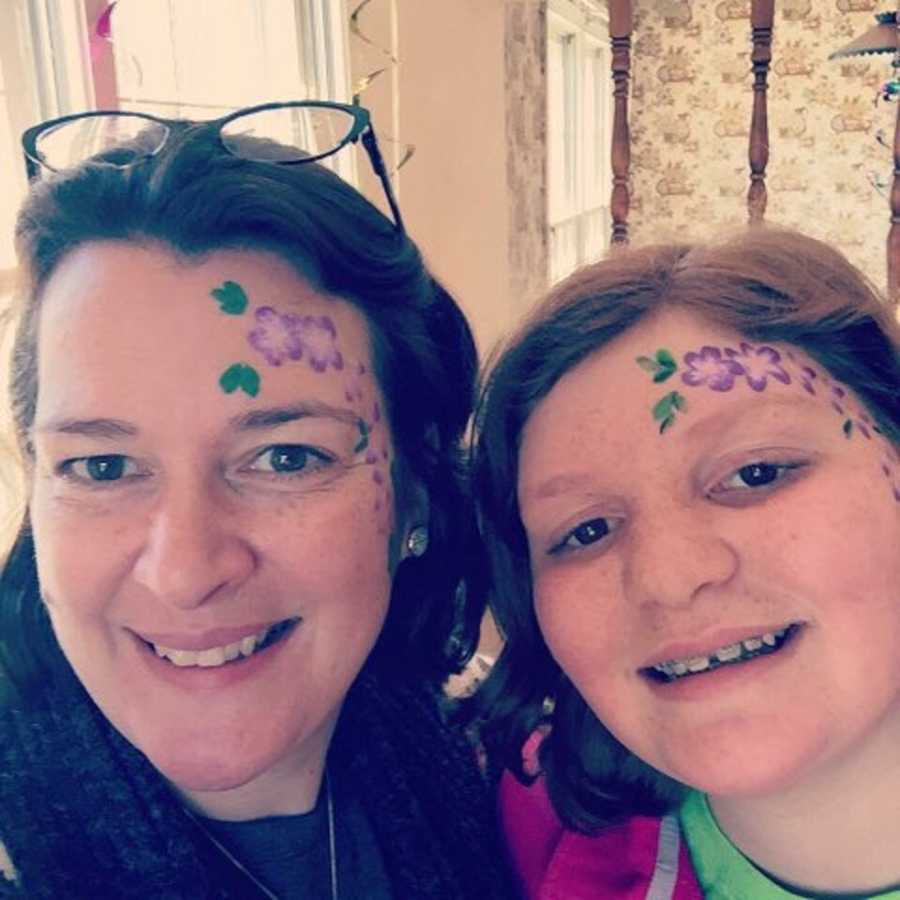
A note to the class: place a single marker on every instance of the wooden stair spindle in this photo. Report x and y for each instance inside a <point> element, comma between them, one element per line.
<point>761,19</point>
<point>893,241</point>
<point>620,25</point>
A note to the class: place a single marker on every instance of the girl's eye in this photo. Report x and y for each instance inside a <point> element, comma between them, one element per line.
<point>108,467</point>
<point>755,475</point>
<point>585,534</point>
<point>287,459</point>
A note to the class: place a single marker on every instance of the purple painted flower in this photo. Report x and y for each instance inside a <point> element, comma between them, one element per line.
<point>280,336</point>
<point>807,376</point>
<point>317,336</point>
<point>274,336</point>
<point>863,429</point>
<point>709,367</point>
<point>759,364</point>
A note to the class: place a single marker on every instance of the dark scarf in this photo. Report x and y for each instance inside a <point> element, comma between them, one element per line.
<point>84,815</point>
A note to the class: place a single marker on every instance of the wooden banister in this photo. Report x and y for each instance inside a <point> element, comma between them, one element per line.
<point>761,18</point>
<point>620,26</point>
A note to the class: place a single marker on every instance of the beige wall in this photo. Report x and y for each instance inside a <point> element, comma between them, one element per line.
<point>467,92</point>
<point>690,113</point>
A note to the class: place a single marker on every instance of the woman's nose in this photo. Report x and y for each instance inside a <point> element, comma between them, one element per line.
<point>193,548</point>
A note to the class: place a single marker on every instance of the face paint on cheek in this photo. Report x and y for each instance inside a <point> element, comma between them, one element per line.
<point>373,442</point>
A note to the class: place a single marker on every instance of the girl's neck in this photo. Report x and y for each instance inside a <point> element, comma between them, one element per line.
<point>836,833</point>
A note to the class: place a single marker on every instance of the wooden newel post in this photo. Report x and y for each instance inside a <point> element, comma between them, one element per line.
<point>620,24</point>
<point>893,241</point>
<point>761,17</point>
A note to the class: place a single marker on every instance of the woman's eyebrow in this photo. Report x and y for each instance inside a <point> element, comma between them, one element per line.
<point>99,428</point>
<point>259,419</point>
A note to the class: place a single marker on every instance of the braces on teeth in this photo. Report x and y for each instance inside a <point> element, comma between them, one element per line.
<point>673,669</point>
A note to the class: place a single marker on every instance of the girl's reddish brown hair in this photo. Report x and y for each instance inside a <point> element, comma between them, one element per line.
<point>768,284</point>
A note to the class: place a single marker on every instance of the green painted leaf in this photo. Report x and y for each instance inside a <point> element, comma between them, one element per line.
<point>363,437</point>
<point>663,408</point>
<point>662,375</point>
<point>240,377</point>
<point>250,381</point>
<point>665,359</point>
<point>848,427</point>
<point>232,299</point>
<point>678,401</point>
<point>230,379</point>
<point>647,364</point>
<point>666,423</point>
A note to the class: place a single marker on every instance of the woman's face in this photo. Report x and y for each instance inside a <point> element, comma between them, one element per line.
<point>714,531</point>
<point>211,505</point>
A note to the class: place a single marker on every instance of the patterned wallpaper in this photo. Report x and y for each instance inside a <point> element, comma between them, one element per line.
<point>690,116</point>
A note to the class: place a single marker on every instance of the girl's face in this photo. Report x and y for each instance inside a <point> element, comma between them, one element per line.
<point>211,506</point>
<point>714,530</point>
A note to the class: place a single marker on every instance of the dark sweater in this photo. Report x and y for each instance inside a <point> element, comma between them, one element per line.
<point>84,815</point>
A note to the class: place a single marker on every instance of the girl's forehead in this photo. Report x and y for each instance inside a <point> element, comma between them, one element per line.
<point>677,377</point>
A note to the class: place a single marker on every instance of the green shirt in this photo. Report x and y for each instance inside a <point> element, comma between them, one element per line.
<point>723,871</point>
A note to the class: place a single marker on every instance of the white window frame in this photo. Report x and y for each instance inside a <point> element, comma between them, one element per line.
<point>573,234</point>
<point>44,60</point>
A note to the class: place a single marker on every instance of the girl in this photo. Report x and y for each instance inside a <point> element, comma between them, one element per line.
<point>690,493</point>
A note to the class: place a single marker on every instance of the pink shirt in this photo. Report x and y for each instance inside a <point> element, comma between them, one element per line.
<point>644,858</point>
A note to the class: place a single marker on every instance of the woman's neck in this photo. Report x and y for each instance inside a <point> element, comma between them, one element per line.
<point>836,833</point>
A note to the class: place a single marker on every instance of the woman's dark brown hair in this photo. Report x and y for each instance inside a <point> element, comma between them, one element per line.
<point>194,198</point>
<point>767,284</point>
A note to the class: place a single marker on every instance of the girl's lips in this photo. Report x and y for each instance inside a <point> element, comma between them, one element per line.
<point>711,642</point>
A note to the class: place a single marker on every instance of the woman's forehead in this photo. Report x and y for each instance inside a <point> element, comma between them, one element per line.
<point>237,324</point>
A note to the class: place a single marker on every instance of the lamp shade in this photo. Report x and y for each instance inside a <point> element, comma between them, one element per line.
<point>880,38</point>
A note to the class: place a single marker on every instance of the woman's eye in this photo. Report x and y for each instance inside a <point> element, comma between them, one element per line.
<point>108,467</point>
<point>585,534</point>
<point>755,475</point>
<point>286,459</point>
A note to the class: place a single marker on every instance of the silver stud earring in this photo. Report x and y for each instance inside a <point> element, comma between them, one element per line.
<point>417,541</point>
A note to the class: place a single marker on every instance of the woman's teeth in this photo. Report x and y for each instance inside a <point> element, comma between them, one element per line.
<point>213,657</point>
<point>749,648</point>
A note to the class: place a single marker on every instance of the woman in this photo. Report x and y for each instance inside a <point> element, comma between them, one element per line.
<point>227,619</point>
<point>690,490</point>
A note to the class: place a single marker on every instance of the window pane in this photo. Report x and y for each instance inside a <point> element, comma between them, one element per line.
<point>207,56</point>
<point>561,121</point>
<point>12,180</point>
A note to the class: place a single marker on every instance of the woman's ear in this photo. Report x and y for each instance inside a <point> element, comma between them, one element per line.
<point>412,520</point>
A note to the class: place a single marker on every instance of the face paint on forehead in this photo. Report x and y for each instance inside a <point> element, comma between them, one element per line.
<point>239,376</point>
<point>753,367</point>
<point>285,337</point>
<point>278,337</point>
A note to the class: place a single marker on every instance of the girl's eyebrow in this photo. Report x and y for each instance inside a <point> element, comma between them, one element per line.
<point>558,484</point>
<point>716,420</point>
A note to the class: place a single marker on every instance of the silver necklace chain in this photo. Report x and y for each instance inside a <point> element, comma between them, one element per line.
<point>332,853</point>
